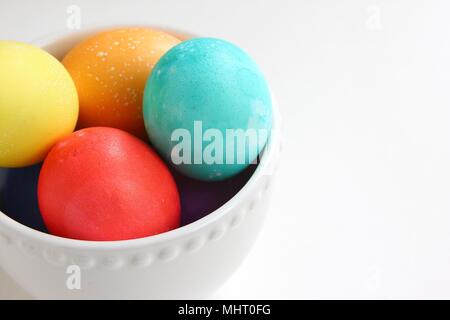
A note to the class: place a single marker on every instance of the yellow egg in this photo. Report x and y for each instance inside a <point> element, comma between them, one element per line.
<point>38,103</point>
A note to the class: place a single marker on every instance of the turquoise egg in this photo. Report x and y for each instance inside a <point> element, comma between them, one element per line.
<point>208,109</point>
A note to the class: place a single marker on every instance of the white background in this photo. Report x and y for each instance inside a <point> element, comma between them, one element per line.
<point>362,208</point>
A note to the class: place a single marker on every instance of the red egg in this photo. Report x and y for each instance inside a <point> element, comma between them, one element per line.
<point>104,184</point>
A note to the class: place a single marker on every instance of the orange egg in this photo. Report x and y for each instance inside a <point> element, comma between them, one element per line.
<point>110,70</point>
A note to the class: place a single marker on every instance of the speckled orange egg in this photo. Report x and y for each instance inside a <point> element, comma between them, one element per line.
<point>110,70</point>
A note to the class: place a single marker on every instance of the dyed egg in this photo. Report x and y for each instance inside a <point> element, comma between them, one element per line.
<point>200,198</point>
<point>110,70</point>
<point>207,108</point>
<point>38,104</point>
<point>18,196</point>
<point>105,184</point>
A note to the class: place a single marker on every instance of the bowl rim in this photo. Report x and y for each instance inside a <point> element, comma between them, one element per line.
<point>263,167</point>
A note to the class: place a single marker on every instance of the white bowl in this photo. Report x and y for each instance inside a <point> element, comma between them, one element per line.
<point>190,262</point>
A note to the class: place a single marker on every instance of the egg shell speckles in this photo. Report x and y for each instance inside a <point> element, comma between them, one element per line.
<point>212,81</point>
<point>110,70</point>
